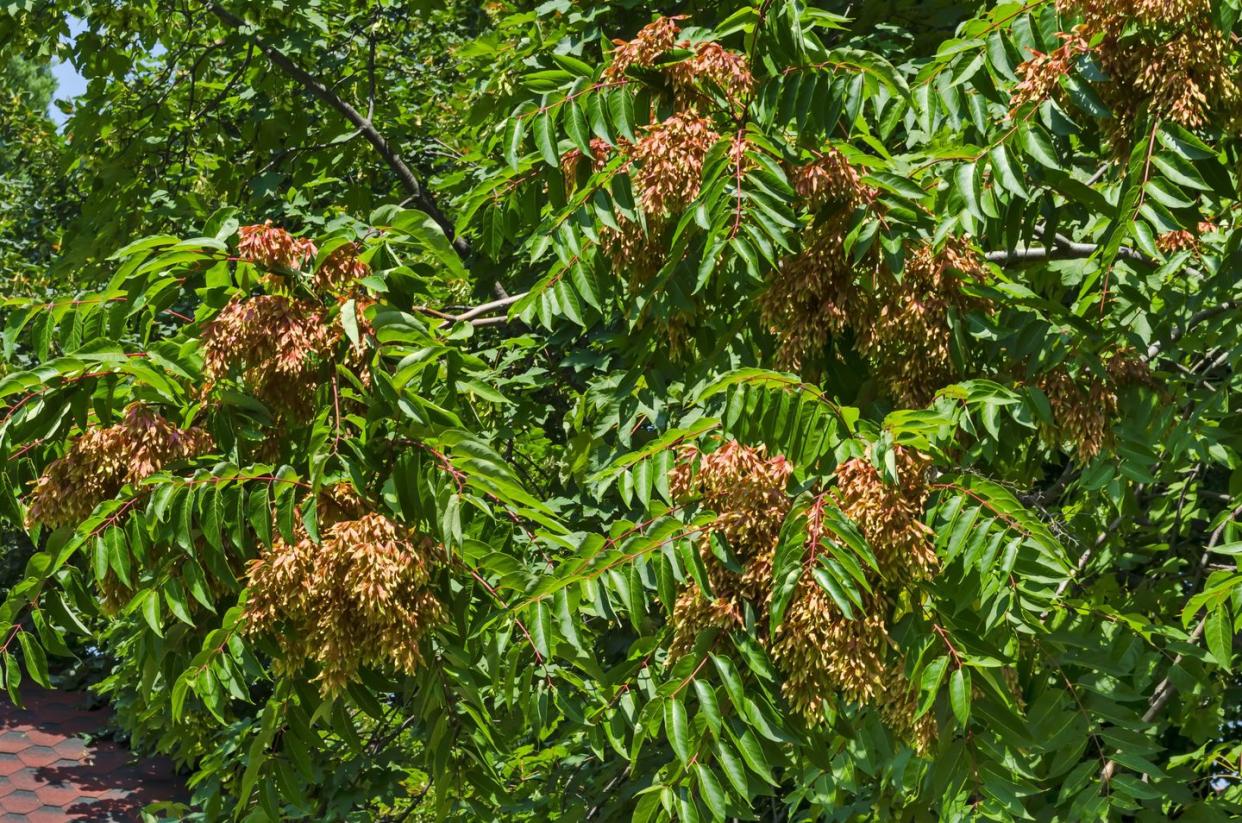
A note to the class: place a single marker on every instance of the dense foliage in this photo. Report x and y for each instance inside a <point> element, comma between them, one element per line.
<point>35,200</point>
<point>759,410</point>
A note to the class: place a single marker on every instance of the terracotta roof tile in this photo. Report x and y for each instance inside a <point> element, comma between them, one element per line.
<point>54,768</point>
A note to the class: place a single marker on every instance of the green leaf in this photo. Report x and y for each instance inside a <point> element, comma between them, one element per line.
<point>711,791</point>
<point>1039,146</point>
<point>709,709</point>
<point>349,322</point>
<point>544,129</point>
<point>174,596</point>
<point>1219,633</point>
<point>576,127</point>
<point>150,605</point>
<point>929,683</point>
<point>36,660</point>
<point>753,754</point>
<point>678,727</point>
<point>1004,171</point>
<point>515,130</point>
<point>836,588</point>
<point>733,768</point>
<point>959,694</point>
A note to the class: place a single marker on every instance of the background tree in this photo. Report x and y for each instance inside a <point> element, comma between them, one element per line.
<point>762,412</point>
<point>35,199</point>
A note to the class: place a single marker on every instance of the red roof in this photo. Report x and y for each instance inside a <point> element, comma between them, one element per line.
<point>49,773</point>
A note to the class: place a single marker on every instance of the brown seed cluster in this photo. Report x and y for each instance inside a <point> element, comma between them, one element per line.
<point>907,334</point>
<point>1083,410</point>
<point>635,252</point>
<point>272,247</point>
<point>103,460</point>
<point>652,41</point>
<point>274,342</point>
<point>815,294</point>
<point>710,63</point>
<point>1126,367</point>
<point>821,652</point>
<point>746,490</point>
<point>572,161</point>
<point>1162,56</point>
<point>341,270</point>
<point>1041,75</point>
<point>670,162</point>
<point>1085,407</point>
<point>891,517</point>
<point>361,597</point>
<point>726,70</point>
<point>666,162</point>
<point>830,179</point>
<point>901,325</point>
<point>1172,242</point>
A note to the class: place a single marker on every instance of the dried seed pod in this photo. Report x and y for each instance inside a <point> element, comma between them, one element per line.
<point>693,613</point>
<point>341,270</point>
<point>821,652</point>
<point>103,460</point>
<point>648,45</point>
<point>274,342</point>
<point>830,178</point>
<point>908,337</point>
<point>670,162</point>
<point>1172,242</point>
<point>714,65</point>
<point>890,517</point>
<point>361,597</point>
<point>1083,410</point>
<point>1041,74</point>
<point>898,709</point>
<point>813,295</point>
<point>273,247</point>
<point>1163,57</point>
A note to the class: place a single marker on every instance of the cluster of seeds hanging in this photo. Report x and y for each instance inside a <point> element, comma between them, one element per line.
<point>813,295</point>
<point>1040,76</point>
<point>821,652</point>
<point>715,67</point>
<point>670,162</point>
<point>276,343</point>
<point>665,162</point>
<point>273,248</point>
<point>103,460</point>
<point>1085,406</point>
<point>901,325</point>
<point>1163,57</point>
<point>906,332</point>
<point>359,597</point>
<point>341,270</point>
<point>746,490</point>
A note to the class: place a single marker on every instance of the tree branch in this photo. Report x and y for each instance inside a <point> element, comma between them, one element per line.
<point>1195,319</point>
<point>418,193</point>
<point>1063,249</point>
<point>475,316</point>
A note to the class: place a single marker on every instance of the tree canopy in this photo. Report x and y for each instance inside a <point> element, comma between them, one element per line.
<point>768,410</point>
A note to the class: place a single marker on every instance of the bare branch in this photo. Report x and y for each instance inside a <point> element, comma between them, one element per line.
<point>1063,249</point>
<point>1195,319</point>
<point>476,316</point>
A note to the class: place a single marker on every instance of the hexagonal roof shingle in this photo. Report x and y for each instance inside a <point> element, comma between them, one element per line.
<point>51,771</point>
